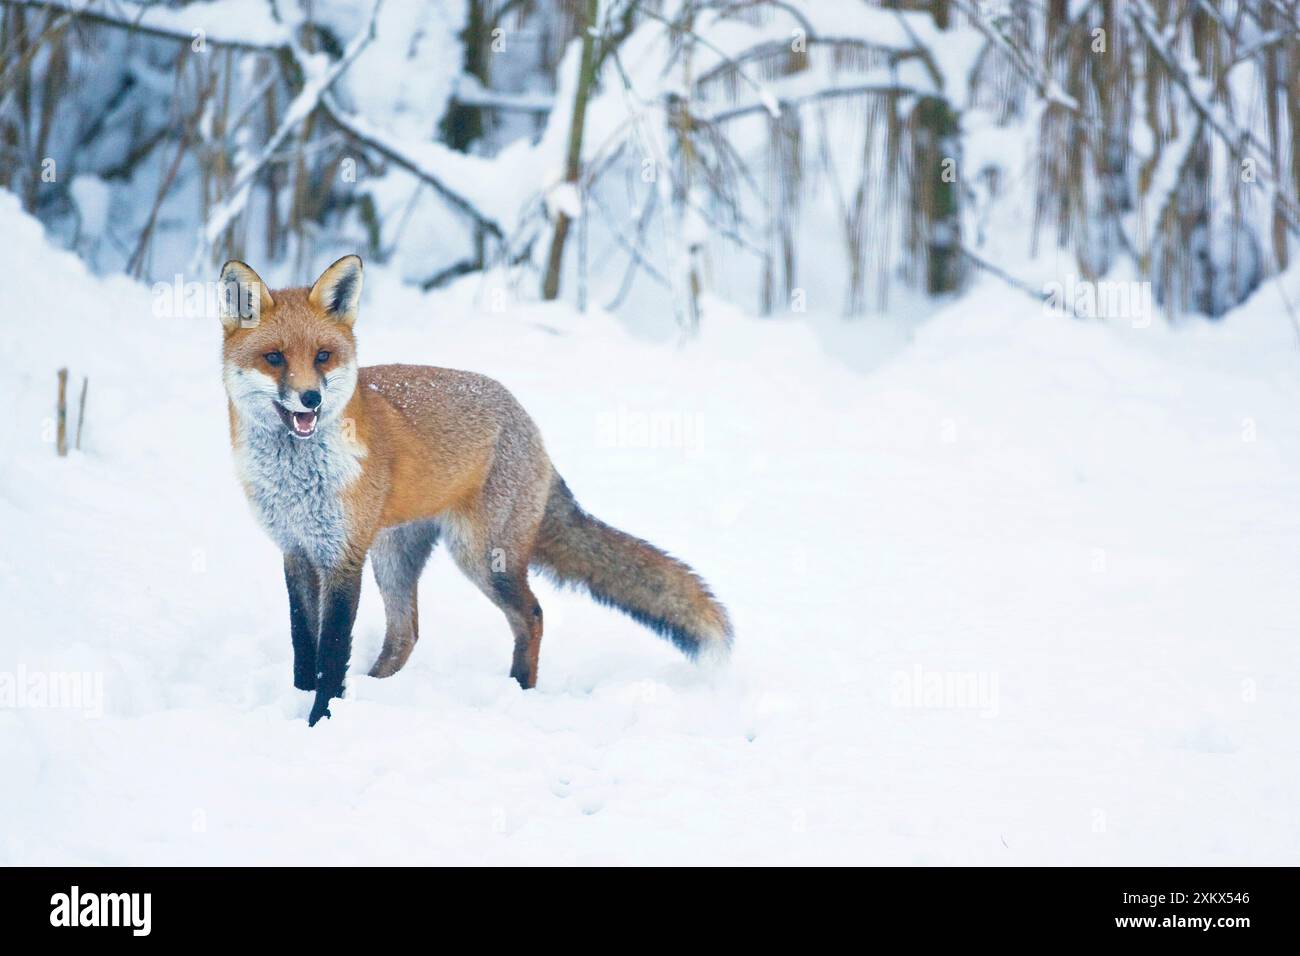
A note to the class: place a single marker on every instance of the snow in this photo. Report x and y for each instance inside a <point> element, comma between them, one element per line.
<point>319,75</point>
<point>408,73</point>
<point>470,90</point>
<point>239,22</point>
<point>564,198</point>
<point>93,199</point>
<point>1017,590</point>
<point>498,188</point>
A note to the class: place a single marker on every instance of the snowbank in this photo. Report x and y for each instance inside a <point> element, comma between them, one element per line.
<point>1023,593</point>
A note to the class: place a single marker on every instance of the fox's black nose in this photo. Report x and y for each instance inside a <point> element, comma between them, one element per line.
<point>311,399</point>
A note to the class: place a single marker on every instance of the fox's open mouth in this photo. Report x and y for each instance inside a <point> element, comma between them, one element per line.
<point>300,424</point>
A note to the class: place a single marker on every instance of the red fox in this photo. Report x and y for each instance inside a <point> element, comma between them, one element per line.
<point>340,462</point>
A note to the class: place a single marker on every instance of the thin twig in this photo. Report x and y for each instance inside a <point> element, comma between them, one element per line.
<point>302,106</point>
<point>61,445</point>
<point>81,409</point>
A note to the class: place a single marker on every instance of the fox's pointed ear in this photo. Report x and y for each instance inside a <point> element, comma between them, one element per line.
<point>337,292</point>
<point>242,296</point>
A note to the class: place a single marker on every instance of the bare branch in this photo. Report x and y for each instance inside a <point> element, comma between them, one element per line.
<point>1045,86</point>
<point>764,96</point>
<point>1240,142</point>
<point>832,93</point>
<point>150,20</point>
<point>301,107</point>
<point>404,156</point>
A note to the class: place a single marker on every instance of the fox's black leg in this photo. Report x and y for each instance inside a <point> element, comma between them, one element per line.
<point>304,617</point>
<point>338,602</point>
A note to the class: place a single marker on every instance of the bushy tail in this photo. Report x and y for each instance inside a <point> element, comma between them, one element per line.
<point>630,574</point>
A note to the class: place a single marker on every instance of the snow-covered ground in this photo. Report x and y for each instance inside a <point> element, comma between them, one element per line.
<point>1018,590</point>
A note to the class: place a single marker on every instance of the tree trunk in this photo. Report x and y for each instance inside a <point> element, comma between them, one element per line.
<point>935,132</point>
<point>573,161</point>
<point>464,122</point>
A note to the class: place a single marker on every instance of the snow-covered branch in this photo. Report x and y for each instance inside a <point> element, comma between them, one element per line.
<point>316,85</point>
<point>256,29</point>
<point>452,175</point>
<point>471,92</point>
<point>1037,76</point>
<point>677,27</point>
<point>884,86</point>
<point>1242,144</point>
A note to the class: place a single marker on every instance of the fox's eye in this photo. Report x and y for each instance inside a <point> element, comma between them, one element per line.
<point>322,356</point>
<point>274,358</point>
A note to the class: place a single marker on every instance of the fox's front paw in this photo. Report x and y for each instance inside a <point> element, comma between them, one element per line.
<point>319,709</point>
<point>304,680</point>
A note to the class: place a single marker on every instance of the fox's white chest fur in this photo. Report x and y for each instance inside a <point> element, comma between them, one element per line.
<point>295,487</point>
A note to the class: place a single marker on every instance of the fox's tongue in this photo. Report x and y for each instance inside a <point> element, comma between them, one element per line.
<point>304,422</point>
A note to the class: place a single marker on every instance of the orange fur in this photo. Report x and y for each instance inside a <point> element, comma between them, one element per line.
<point>394,456</point>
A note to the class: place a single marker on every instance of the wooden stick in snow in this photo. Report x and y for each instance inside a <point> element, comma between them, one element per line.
<point>62,440</point>
<point>81,410</point>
